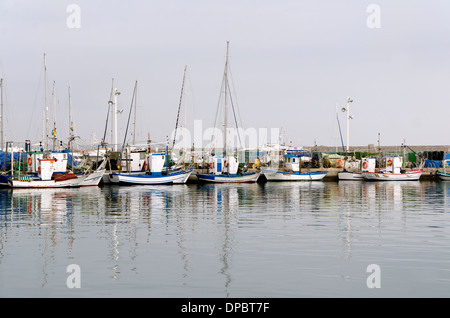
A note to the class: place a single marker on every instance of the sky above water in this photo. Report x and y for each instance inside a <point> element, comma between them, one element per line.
<point>293,65</point>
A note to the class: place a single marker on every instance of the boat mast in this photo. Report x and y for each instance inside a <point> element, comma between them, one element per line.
<point>71,138</point>
<point>116,93</point>
<point>226,85</point>
<point>54,117</point>
<point>179,107</point>
<point>134,122</point>
<point>45,133</point>
<point>70,125</point>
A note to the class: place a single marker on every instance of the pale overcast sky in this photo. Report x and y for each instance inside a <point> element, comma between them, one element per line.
<point>291,62</point>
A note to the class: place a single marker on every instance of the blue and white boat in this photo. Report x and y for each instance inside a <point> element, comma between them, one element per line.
<point>226,170</point>
<point>278,175</point>
<point>177,177</point>
<point>291,171</point>
<point>152,173</point>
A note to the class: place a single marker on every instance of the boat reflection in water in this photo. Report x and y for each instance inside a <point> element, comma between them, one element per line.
<point>226,240</point>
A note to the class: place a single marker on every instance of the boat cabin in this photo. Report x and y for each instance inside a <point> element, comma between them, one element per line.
<point>132,161</point>
<point>59,165</point>
<point>227,165</point>
<point>394,164</point>
<point>292,162</point>
<point>368,164</point>
<point>46,168</point>
<point>156,162</point>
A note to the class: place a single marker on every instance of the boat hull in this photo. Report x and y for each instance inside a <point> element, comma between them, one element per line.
<point>246,178</point>
<point>4,181</point>
<point>412,175</point>
<point>111,178</point>
<point>173,178</point>
<point>443,176</point>
<point>93,179</point>
<point>275,175</point>
<point>70,183</point>
<point>350,176</point>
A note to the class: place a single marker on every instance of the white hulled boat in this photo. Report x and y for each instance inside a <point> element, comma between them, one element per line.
<point>443,175</point>
<point>291,171</point>
<point>46,177</point>
<point>393,172</point>
<point>94,178</point>
<point>367,165</point>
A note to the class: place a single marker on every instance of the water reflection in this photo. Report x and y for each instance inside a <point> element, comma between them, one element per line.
<point>131,229</point>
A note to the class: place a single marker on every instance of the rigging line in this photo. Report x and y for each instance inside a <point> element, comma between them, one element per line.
<point>234,90</point>
<point>179,107</point>
<point>235,120</point>
<point>218,106</point>
<point>129,116</point>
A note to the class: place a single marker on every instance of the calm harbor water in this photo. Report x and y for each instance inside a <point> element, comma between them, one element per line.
<point>252,240</point>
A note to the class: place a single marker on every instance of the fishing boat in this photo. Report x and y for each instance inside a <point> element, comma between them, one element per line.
<point>291,171</point>
<point>367,165</point>
<point>46,177</point>
<point>277,175</point>
<point>224,167</point>
<point>94,178</point>
<point>226,170</point>
<point>393,172</point>
<point>350,176</point>
<point>144,167</point>
<point>152,173</point>
<point>444,176</point>
<point>150,179</point>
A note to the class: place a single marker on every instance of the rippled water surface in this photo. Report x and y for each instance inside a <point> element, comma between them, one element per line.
<point>251,240</point>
